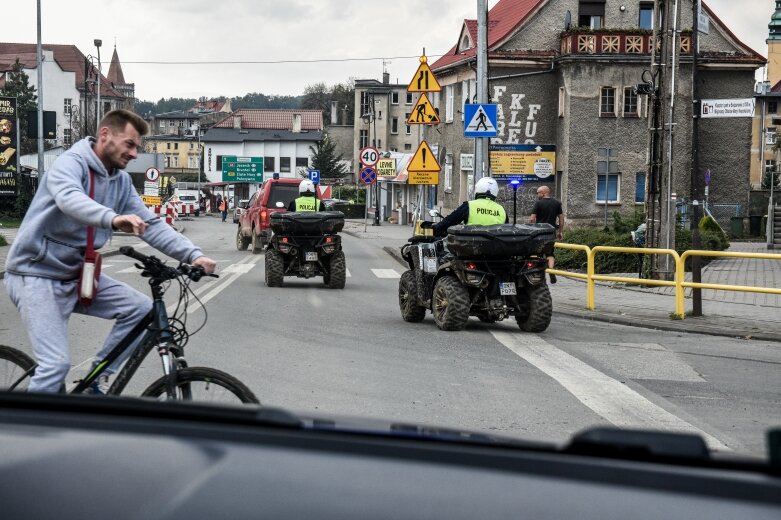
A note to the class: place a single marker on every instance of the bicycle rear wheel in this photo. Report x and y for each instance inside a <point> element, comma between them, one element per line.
<point>15,369</point>
<point>203,384</point>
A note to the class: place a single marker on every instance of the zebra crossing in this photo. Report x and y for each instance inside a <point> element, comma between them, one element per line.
<point>237,268</point>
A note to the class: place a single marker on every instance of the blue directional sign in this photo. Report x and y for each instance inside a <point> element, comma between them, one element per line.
<point>314,176</point>
<point>368,175</point>
<point>480,120</point>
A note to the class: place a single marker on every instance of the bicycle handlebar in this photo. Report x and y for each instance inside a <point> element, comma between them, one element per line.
<point>155,268</point>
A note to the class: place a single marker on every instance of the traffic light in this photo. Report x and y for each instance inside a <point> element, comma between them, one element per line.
<point>49,124</point>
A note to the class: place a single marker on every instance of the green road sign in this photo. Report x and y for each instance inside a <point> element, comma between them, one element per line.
<point>242,169</point>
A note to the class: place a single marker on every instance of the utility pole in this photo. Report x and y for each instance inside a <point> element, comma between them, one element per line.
<point>481,82</point>
<point>661,213</point>
<point>695,171</point>
<point>39,52</point>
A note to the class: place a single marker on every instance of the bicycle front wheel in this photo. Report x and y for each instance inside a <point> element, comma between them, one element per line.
<point>204,385</point>
<point>15,369</point>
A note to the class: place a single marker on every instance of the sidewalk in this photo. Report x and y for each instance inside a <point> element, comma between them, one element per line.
<point>725,313</point>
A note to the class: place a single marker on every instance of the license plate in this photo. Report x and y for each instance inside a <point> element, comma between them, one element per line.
<point>430,265</point>
<point>507,289</point>
<point>311,256</point>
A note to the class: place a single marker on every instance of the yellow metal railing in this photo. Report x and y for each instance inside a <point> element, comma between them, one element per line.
<point>679,282</point>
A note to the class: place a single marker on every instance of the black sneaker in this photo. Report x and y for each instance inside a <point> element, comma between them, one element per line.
<point>553,278</point>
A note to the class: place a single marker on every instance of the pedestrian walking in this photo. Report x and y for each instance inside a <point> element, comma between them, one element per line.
<point>547,210</point>
<point>224,208</point>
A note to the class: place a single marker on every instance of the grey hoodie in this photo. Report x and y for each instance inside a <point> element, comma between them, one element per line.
<point>53,235</point>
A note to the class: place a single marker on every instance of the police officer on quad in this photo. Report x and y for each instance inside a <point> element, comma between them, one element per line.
<point>306,200</point>
<point>482,211</point>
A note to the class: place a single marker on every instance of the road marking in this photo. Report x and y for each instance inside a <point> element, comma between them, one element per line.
<point>213,287</point>
<point>347,273</point>
<point>386,273</point>
<point>614,401</point>
<point>128,270</point>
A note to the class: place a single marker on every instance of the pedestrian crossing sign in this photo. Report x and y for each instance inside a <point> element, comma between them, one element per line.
<point>424,160</point>
<point>423,113</point>
<point>480,120</point>
<point>424,80</point>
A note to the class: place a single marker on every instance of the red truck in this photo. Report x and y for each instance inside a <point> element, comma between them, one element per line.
<point>274,195</point>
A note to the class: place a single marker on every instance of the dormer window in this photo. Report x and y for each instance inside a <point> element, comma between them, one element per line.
<point>464,43</point>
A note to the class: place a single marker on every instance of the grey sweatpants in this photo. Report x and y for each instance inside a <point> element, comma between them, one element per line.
<point>46,305</point>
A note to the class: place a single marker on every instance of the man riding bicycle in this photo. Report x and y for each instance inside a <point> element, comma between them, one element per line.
<point>43,265</point>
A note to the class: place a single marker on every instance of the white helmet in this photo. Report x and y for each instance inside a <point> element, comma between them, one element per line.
<point>306,186</point>
<point>486,186</point>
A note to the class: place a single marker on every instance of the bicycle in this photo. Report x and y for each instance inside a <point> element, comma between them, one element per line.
<point>167,335</point>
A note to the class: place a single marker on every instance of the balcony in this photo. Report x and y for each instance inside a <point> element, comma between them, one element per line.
<point>613,41</point>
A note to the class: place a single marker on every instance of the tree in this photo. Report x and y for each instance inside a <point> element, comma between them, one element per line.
<point>325,159</point>
<point>319,96</point>
<point>18,85</point>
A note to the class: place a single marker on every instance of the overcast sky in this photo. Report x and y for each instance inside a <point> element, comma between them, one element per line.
<point>157,38</point>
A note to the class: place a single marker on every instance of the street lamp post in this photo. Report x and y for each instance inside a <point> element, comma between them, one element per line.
<point>98,43</point>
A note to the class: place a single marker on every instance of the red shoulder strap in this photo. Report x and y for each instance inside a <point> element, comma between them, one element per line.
<point>90,231</point>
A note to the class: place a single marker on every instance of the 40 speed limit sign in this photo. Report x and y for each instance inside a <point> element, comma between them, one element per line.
<point>369,156</point>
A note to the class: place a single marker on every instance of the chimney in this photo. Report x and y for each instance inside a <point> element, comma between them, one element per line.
<point>344,115</point>
<point>385,78</point>
<point>334,111</point>
<point>237,121</point>
<point>296,123</point>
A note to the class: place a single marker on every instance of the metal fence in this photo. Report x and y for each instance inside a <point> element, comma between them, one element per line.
<point>721,213</point>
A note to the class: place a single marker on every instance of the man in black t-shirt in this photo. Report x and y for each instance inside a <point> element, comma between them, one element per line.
<point>548,210</point>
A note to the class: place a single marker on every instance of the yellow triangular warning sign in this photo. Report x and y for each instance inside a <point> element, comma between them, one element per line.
<point>423,160</point>
<point>423,113</point>
<point>424,80</point>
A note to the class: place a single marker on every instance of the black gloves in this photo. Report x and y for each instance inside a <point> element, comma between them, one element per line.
<point>426,224</point>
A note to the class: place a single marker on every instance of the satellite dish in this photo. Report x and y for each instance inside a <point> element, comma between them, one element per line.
<point>567,21</point>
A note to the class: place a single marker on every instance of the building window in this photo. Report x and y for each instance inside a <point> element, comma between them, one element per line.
<point>410,99</point>
<point>770,135</point>
<point>449,103</point>
<point>449,172</point>
<point>612,187</point>
<point>176,146</point>
<point>640,187</point>
<point>630,102</point>
<point>409,127</point>
<point>394,125</point>
<point>174,161</point>
<point>364,104</point>
<point>67,106</point>
<point>66,136</point>
<point>394,98</point>
<point>407,147</point>
<point>284,164</point>
<point>268,164</point>
<point>302,162</point>
<point>192,161</point>
<point>607,102</point>
<point>591,14</point>
<point>770,166</point>
<point>363,140</point>
<point>646,16</point>
<point>772,107</point>
<point>219,163</point>
<point>464,97</point>
<point>562,99</point>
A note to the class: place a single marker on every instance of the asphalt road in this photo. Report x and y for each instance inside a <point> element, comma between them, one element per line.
<point>348,352</point>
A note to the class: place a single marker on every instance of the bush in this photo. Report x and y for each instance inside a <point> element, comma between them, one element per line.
<point>2,241</point>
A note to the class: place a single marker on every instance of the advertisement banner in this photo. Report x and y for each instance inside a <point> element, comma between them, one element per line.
<point>527,162</point>
<point>9,156</point>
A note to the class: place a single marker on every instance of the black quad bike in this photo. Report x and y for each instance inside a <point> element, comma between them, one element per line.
<point>491,272</point>
<point>306,245</point>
